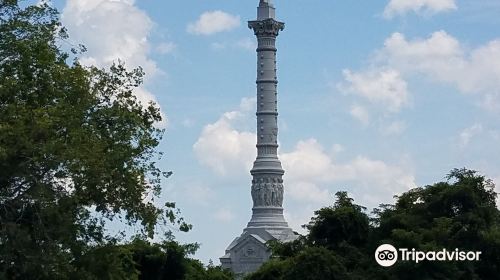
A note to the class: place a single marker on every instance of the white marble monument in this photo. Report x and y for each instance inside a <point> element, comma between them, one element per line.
<point>249,251</point>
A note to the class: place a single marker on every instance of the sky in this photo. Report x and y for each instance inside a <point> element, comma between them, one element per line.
<point>375,97</point>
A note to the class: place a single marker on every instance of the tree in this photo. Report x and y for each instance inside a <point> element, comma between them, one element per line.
<point>344,222</point>
<point>334,248</point>
<point>74,142</point>
<point>143,260</point>
<point>197,271</point>
<point>459,213</point>
<point>274,269</point>
<point>312,263</point>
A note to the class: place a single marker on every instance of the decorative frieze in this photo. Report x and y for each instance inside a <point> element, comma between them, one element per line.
<point>267,192</point>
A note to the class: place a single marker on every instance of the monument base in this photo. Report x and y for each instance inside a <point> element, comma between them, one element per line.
<point>249,251</point>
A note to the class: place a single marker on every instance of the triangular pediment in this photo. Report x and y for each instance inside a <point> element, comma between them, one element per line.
<point>245,240</point>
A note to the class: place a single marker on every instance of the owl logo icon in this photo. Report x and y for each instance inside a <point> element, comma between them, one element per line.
<point>386,255</point>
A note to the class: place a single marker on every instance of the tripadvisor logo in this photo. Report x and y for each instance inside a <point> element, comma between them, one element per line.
<point>387,255</point>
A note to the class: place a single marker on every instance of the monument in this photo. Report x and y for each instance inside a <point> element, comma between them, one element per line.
<point>249,251</point>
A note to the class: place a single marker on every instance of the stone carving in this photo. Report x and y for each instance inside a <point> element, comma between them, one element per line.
<point>268,27</point>
<point>267,192</point>
<point>250,252</point>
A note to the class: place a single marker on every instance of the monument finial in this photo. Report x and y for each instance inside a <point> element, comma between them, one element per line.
<point>266,2</point>
<point>265,10</point>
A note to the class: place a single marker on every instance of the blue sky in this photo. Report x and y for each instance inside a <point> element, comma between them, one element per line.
<point>375,97</point>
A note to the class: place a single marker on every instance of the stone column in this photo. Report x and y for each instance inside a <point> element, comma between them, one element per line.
<point>267,183</point>
<point>249,251</point>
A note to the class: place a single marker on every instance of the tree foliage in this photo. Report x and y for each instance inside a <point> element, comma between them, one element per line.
<point>76,146</point>
<point>458,213</point>
<point>344,222</point>
<point>142,260</point>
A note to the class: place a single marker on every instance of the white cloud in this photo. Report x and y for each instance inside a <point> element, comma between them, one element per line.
<point>296,218</point>
<point>307,160</point>
<point>218,46</point>
<point>100,26</point>
<point>438,54</point>
<point>360,113</point>
<point>337,148</point>
<point>199,193</point>
<point>214,22</point>
<point>144,96</point>
<point>442,58</point>
<point>401,7</point>
<point>494,134</point>
<point>247,44</point>
<point>223,215</point>
<point>313,176</point>
<point>439,58</point>
<point>394,128</point>
<point>165,47</point>
<point>308,192</point>
<point>491,101</point>
<point>467,134</point>
<point>188,122</point>
<point>383,87</point>
<point>222,147</point>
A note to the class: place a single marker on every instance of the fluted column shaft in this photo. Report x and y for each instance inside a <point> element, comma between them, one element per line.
<point>267,183</point>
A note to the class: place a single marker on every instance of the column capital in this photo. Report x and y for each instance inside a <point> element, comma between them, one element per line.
<point>267,27</point>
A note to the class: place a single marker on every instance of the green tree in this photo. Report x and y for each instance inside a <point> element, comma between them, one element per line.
<point>312,263</point>
<point>272,270</point>
<point>197,271</point>
<point>316,263</point>
<point>74,142</point>
<point>335,247</point>
<point>143,260</point>
<point>459,213</point>
<point>344,222</point>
